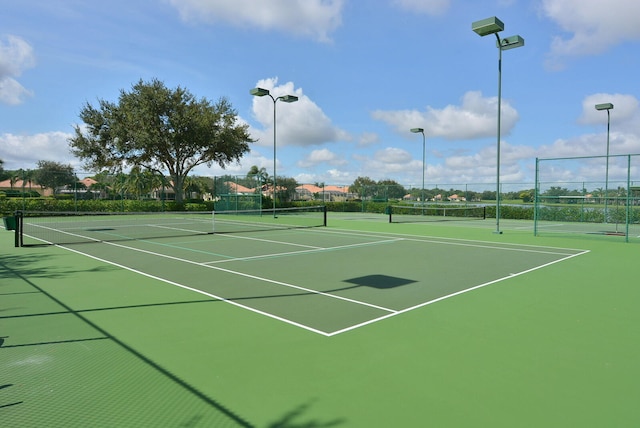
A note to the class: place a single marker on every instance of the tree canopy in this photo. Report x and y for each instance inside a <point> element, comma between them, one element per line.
<point>383,189</point>
<point>160,129</point>
<point>363,186</point>
<point>260,173</point>
<point>54,175</point>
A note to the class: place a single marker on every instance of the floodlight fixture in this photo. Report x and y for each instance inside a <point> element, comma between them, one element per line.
<point>483,28</point>
<point>605,106</point>
<point>424,144</point>
<point>487,26</point>
<point>288,98</point>
<point>261,92</point>
<point>511,42</point>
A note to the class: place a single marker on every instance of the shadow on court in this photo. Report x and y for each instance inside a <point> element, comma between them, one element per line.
<point>30,266</point>
<point>86,369</point>
<point>292,419</point>
<point>380,282</point>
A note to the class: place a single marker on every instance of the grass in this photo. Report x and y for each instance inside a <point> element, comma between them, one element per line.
<point>88,344</point>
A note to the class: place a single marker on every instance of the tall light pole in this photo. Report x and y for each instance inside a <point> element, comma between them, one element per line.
<point>483,28</point>
<point>260,92</point>
<point>607,107</point>
<point>424,144</point>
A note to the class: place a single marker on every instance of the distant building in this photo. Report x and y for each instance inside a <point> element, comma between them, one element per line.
<point>24,186</point>
<point>309,192</point>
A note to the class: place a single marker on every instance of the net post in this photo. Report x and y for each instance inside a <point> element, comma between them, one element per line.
<point>390,210</point>
<point>324,215</point>
<point>628,217</point>
<point>18,232</point>
<point>535,198</point>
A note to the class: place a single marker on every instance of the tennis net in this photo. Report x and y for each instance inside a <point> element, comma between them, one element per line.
<point>260,220</point>
<point>84,227</point>
<point>414,214</point>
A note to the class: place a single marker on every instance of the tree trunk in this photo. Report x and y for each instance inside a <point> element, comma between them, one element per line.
<point>178,182</point>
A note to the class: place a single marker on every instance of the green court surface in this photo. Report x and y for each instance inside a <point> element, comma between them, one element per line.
<point>359,324</point>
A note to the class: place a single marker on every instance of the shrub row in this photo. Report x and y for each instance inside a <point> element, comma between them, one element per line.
<point>525,212</point>
<point>11,205</point>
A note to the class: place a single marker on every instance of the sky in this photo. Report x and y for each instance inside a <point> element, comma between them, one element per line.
<point>365,72</point>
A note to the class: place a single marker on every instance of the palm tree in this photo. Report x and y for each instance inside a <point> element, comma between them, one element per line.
<point>259,173</point>
<point>138,182</point>
<point>28,176</point>
<point>15,176</point>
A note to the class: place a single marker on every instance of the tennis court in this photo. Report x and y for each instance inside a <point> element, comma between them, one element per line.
<point>325,281</point>
<point>360,323</point>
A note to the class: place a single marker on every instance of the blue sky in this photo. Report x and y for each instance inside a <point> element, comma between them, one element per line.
<point>365,72</point>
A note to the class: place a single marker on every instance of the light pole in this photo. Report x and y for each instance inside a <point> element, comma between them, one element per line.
<point>483,28</point>
<point>260,92</point>
<point>607,107</point>
<point>424,143</point>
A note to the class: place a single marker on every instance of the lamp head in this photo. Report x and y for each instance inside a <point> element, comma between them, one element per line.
<point>605,106</point>
<point>259,92</point>
<point>510,43</point>
<point>487,26</point>
<point>288,98</point>
<point>417,130</point>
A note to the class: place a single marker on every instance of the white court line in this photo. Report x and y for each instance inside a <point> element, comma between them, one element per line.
<point>391,312</point>
<point>186,287</point>
<point>246,275</point>
<point>313,250</point>
<point>273,241</point>
<point>59,231</point>
<point>459,241</point>
<point>89,238</point>
<point>457,293</point>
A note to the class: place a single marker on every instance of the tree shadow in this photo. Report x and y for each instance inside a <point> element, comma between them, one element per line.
<point>17,267</point>
<point>292,418</point>
<point>15,403</point>
<point>31,266</point>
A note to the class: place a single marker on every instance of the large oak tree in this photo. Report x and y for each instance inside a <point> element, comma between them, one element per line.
<point>160,129</point>
<point>53,175</point>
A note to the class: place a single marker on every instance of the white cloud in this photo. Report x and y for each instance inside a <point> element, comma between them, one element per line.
<point>392,156</point>
<point>16,55</point>
<point>624,139</point>
<point>321,156</point>
<point>625,112</point>
<point>591,145</point>
<point>301,123</point>
<point>367,139</point>
<point>339,176</point>
<point>308,18</point>
<point>585,172</point>
<point>481,166</point>
<point>24,151</point>
<point>331,177</point>
<point>430,7</point>
<point>388,163</point>
<point>475,118</point>
<point>593,26</point>
<point>12,92</point>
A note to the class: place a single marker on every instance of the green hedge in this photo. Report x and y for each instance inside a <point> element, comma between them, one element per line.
<point>10,205</point>
<point>551,213</point>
